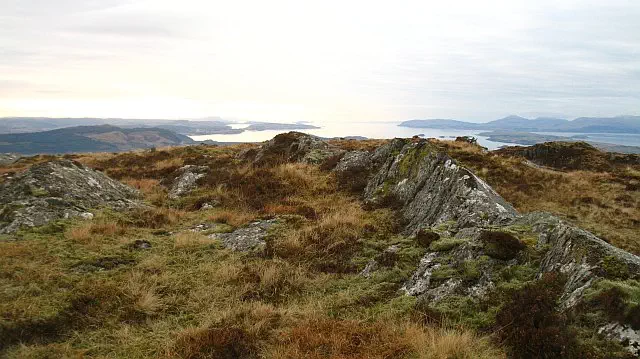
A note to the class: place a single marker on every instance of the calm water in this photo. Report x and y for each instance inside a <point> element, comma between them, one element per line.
<point>369,130</point>
<point>627,139</point>
<point>391,130</point>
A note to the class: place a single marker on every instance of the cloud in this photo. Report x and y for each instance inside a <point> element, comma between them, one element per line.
<point>292,60</point>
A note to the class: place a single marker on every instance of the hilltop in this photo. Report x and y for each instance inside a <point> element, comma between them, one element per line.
<point>619,124</point>
<point>304,247</point>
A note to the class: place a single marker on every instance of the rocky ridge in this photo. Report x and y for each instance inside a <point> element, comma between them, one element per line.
<point>433,193</point>
<point>57,190</point>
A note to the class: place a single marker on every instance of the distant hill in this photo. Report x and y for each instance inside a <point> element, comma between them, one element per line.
<point>103,138</point>
<point>208,126</point>
<point>619,124</point>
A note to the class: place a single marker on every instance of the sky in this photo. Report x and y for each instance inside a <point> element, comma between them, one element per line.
<point>347,60</point>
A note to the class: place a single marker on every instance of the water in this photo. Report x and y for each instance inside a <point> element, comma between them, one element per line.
<point>627,139</point>
<point>364,129</point>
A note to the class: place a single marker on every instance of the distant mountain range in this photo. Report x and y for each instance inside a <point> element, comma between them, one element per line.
<point>103,138</point>
<point>209,126</point>
<point>619,124</point>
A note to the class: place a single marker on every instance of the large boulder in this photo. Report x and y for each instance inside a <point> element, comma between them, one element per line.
<point>295,147</point>
<point>56,190</point>
<point>426,185</point>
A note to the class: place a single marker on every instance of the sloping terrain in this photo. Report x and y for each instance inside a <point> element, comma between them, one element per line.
<point>346,249</point>
<point>103,138</point>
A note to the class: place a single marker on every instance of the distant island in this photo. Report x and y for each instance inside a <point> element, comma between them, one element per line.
<point>619,124</point>
<point>528,139</point>
<point>208,126</point>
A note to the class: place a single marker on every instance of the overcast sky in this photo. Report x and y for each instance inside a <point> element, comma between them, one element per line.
<point>319,60</point>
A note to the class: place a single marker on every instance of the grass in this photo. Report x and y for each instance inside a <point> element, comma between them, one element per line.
<point>85,289</point>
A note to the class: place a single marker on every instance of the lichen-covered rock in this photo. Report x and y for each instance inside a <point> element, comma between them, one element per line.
<point>294,147</point>
<point>578,254</point>
<point>432,188</point>
<point>248,238</point>
<point>56,190</point>
<point>185,180</point>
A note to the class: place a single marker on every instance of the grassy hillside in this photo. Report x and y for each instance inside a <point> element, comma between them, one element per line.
<point>103,138</point>
<point>144,284</point>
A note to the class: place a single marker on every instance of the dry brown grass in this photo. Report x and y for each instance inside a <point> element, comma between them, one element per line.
<point>358,145</point>
<point>237,331</point>
<point>144,294</point>
<point>352,339</point>
<point>326,244</point>
<point>169,163</point>
<point>232,217</point>
<point>98,228</point>
<point>191,239</point>
<point>154,217</point>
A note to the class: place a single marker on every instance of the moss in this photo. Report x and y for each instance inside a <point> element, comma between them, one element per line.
<point>444,226</point>
<point>471,270</point>
<point>614,268</point>
<point>38,192</point>
<point>410,161</point>
<point>462,310</point>
<point>443,273</point>
<point>447,244</point>
<point>619,300</point>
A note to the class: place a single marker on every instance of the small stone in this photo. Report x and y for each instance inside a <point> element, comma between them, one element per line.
<point>86,215</point>
<point>141,244</point>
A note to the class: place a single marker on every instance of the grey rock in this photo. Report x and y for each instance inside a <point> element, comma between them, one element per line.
<point>432,188</point>
<point>248,238</point>
<point>210,205</point>
<point>185,180</point>
<point>8,158</point>
<point>576,253</point>
<point>624,334</point>
<point>59,189</point>
<point>294,147</point>
<point>353,170</point>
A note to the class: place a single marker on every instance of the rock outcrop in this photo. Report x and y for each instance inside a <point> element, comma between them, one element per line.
<point>185,179</point>
<point>427,185</point>
<point>432,192</point>
<point>294,147</point>
<point>56,190</point>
